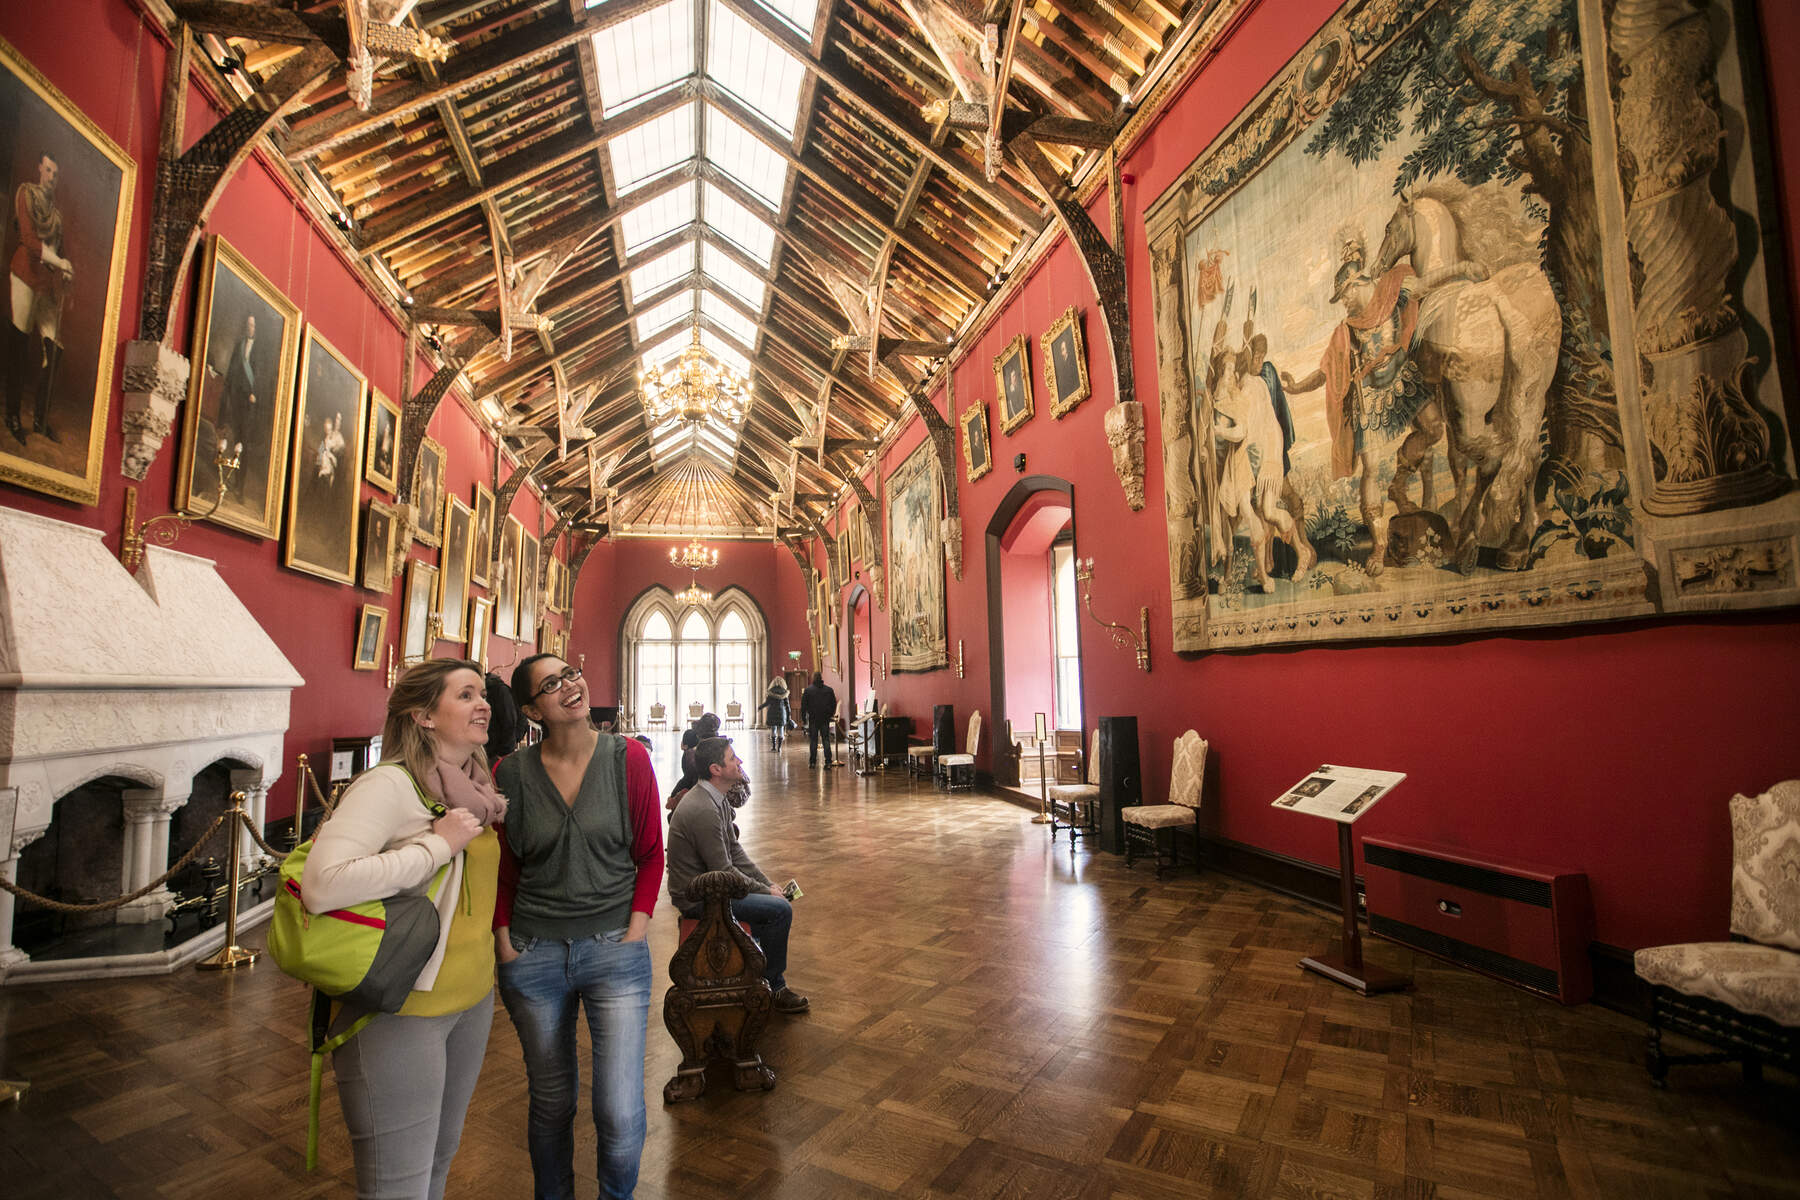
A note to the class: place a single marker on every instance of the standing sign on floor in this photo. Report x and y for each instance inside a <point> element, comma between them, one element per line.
<point>1343,794</point>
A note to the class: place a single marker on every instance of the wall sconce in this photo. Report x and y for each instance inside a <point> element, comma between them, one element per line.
<point>1121,636</point>
<point>959,658</point>
<point>131,545</point>
<point>877,670</point>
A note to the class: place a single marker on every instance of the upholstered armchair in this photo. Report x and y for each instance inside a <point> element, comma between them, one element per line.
<point>957,771</point>
<point>1742,996</point>
<point>1075,806</point>
<point>1147,824</point>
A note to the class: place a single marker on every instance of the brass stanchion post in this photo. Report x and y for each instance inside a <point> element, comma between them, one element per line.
<point>299,799</point>
<point>1043,814</point>
<point>231,955</point>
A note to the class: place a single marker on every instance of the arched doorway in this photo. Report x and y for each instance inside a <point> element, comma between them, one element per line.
<point>858,623</point>
<point>1034,636</point>
<point>711,655</point>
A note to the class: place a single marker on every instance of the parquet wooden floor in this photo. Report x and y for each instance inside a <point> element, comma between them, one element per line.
<point>991,1017</point>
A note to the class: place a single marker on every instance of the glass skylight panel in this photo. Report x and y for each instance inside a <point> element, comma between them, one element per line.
<point>670,311</point>
<point>746,63</point>
<point>640,155</point>
<point>751,231</point>
<point>735,151</point>
<point>642,56</point>
<point>664,270</point>
<point>665,214</point>
<point>666,349</point>
<point>728,318</point>
<point>722,350</point>
<point>733,276</point>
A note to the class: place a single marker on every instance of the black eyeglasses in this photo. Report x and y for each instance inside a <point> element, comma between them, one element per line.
<point>557,682</point>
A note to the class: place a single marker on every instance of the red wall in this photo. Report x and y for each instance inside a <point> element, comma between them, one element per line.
<point>1607,748</point>
<point>113,72</point>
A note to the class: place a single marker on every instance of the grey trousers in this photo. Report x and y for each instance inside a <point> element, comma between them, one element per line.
<point>405,1083</point>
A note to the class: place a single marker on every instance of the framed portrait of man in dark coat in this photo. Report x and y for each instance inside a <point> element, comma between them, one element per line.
<point>240,389</point>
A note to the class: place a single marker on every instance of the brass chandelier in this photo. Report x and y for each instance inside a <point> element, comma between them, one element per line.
<point>693,596</point>
<point>693,556</point>
<point>694,389</point>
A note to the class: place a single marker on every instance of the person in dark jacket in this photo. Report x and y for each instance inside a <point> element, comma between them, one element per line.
<point>818,704</point>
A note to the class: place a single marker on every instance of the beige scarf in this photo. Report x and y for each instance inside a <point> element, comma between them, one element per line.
<point>467,786</point>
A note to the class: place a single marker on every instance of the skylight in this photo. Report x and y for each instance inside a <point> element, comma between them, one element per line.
<point>721,268</point>
<point>661,216</point>
<point>734,150</point>
<point>754,69</point>
<point>640,155</point>
<point>728,318</point>
<point>799,13</point>
<point>725,352</point>
<point>669,312</point>
<point>662,271</point>
<point>666,349</point>
<point>640,57</point>
<point>739,224</point>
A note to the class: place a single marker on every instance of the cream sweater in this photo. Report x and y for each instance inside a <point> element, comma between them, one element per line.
<point>378,843</point>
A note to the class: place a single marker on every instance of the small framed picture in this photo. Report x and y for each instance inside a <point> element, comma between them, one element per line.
<point>453,585</point>
<point>383,463</point>
<point>1012,378</point>
<point>378,547</point>
<point>978,457</point>
<point>1065,364</point>
<point>416,643</point>
<point>479,609</point>
<point>371,633</point>
<point>428,493</point>
<point>481,556</point>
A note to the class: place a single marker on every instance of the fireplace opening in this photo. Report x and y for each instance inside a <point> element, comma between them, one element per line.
<point>79,860</point>
<point>210,797</point>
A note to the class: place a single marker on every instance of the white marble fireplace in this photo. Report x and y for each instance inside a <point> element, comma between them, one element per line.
<point>144,681</point>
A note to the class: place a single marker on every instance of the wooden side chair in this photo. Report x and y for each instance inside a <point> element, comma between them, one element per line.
<point>734,714</point>
<point>1146,824</point>
<point>1741,996</point>
<point>659,715</point>
<point>1076,806</point>
<point>957,771</point>
<point>718,1001</point>
<point>696,710</point>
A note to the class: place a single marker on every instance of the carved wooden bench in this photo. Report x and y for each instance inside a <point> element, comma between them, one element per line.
<point>718,1001</point>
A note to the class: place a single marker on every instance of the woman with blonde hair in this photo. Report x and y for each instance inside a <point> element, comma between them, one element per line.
<point>420,822</point>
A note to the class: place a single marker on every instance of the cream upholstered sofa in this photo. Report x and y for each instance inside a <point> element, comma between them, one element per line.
<point>1743,995</point>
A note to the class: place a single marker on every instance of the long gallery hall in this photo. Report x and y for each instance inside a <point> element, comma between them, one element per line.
<point>820,598</point>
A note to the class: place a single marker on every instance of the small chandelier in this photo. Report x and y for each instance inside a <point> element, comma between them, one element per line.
<point>694,389</point>
<point>693,595</point>
<point>694,556</point>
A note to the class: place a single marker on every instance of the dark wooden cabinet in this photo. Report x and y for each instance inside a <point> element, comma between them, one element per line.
<point>1121,781</point>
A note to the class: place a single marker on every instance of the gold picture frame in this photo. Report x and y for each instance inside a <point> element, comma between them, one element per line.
<point>978,449</point>
<point>383,466</point>
<point>530,595</point>
<point>479,608</point>
<point>453,581</point>
<point>371,634</point>
<point>428,493</point>
<point>416,644</point>
<point>380,524</point>
<point>98,181</point>
<point>481,554</point>
<point>324,488</point>
<point>240,392</point>
<point>1065,364</point>
<point>506,578</point>
<point>1012,383</point>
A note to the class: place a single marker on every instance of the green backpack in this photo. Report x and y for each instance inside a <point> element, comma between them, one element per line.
<point>366,956</point>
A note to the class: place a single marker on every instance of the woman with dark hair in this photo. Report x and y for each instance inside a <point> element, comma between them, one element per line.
<point>405,1080</point>
<point>582,861</point>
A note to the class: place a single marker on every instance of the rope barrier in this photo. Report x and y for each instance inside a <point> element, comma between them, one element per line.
<point>103,905</point>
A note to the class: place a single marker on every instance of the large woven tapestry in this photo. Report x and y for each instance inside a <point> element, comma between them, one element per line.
<point>916,564</point>
<point>1459,328</point>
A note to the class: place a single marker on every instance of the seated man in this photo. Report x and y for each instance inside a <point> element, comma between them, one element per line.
<point>703,837</point>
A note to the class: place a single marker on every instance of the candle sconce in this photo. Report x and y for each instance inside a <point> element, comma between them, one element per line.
<point>877,668</point>
<point>393,669</point>
<point>959,658</point>
<point>166,528</point>
<point>1121,636</point>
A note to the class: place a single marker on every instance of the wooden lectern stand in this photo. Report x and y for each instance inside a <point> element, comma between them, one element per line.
<point>1348,967</point>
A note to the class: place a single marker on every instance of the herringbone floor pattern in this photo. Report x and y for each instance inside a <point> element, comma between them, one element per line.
<point>992,1017</point>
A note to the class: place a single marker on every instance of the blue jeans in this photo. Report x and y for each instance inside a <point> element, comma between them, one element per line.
<point>769,918</point>
<point>610,979</point>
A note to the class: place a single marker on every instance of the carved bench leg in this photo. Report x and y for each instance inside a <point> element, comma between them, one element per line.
<point>753,1075</point>
<point>690,1079</point>
<point>685,1085</point>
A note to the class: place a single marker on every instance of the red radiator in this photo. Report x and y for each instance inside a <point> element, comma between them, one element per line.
<point>1526,925</point>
